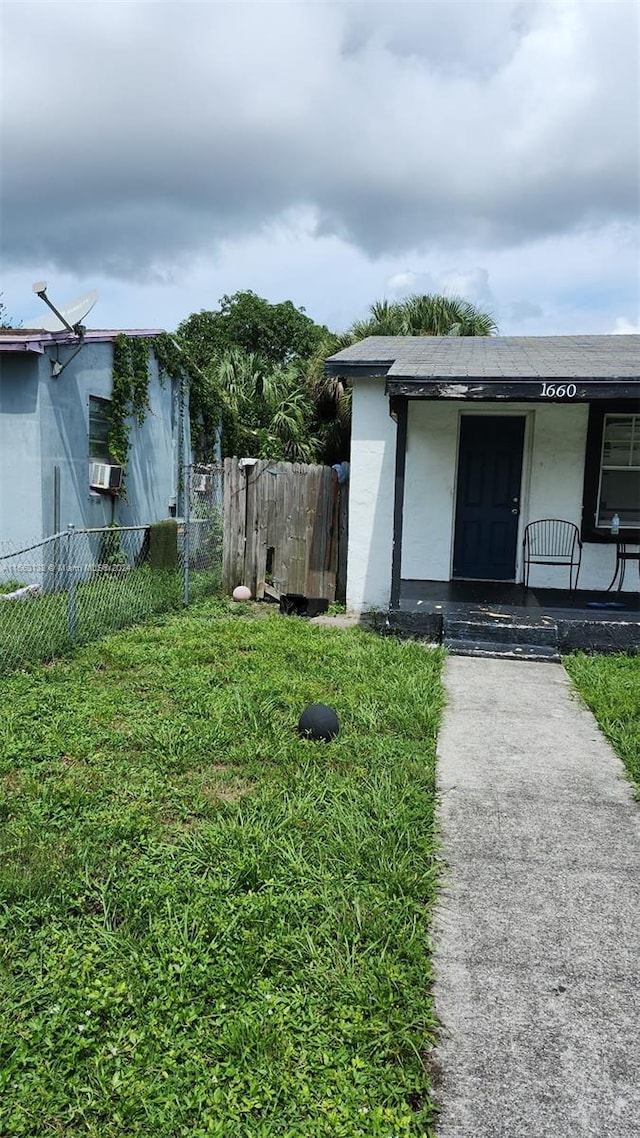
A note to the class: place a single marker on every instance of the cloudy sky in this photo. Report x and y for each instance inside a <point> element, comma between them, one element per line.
<point>330,153</point>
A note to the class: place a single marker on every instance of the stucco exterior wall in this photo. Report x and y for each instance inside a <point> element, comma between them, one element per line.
<point>64,438</point>
<point>552,486</point>
<point>429,491</point>
<point>152,472</point>
<point>151,477</point>
<point>371,482</point>
<point>20,462</point>
<point>44,429</point>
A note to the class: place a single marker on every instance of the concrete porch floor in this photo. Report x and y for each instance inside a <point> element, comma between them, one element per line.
<point>415,594</point>
<point>489,618</point>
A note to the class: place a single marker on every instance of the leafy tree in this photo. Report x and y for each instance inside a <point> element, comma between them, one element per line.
<point>261,367</point>
<point>278,333</point>
<point>331,400</point>
<point>266,412</point>
<point>243,354</point>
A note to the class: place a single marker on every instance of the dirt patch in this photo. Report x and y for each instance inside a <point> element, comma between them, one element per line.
<point>13,782</point>
<point>433,1067</point>
<point>215,784</point>
<point>218,789</point>
<point>72,762</point>
<point>211,792</point>
<point>227,793</point>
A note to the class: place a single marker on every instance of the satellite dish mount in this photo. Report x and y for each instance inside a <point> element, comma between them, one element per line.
<point>72,315</point>
<point>70,318</point>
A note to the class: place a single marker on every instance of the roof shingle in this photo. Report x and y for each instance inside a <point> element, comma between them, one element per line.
<point>492,357</point>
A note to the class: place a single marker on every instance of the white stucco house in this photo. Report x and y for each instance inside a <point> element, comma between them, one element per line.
<point>459,442</point>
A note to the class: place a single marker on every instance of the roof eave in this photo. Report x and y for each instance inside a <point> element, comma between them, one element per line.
<point>516,390</point>
<point>37,342</point>
<point>374,369</point>
<point>34,346</point>
<point>566,377</point>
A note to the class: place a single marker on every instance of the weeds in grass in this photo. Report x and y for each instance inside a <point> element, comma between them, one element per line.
<point>337,608</point>
<point>208,925</point>
<point>610,685</point>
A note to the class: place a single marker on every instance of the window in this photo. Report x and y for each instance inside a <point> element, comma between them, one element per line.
<point>612,473</point>
<point>99,413</point>
<point>619,491</point>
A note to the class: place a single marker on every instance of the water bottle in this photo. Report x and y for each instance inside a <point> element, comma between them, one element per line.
<point>615,525</point>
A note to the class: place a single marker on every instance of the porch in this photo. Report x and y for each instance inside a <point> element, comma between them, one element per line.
<point>488,618</point>
<point>459,444</point>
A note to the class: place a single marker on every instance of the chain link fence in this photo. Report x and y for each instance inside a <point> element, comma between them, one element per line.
<point>78,585</point>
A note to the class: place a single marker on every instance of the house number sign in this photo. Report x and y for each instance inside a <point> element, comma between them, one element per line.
<point>559,390</point>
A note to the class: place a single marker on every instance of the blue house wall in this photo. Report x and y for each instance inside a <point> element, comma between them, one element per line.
<point>20,458</point>
<point>153,472</point>
<point>44,445</point>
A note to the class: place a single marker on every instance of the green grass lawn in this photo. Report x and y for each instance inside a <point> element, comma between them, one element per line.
<point>610,685</point>
<point>210,926</point>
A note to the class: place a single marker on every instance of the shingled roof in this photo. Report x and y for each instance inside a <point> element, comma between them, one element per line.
<point>491,357</point>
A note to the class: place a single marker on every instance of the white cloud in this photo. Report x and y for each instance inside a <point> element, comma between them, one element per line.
<point>333,153</point>
<point>580,283</point>
<point>162,129</point>
<point>407,281</point>
<point>470,283</point>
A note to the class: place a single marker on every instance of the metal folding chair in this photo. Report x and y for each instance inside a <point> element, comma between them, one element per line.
<point>551,541</point>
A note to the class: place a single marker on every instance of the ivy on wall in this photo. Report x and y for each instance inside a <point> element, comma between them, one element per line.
<point>205,405</point>
<point>130,387</point>
<point>129,393</point>
<point>171,361</point>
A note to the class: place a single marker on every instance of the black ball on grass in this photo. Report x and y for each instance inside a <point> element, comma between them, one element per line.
<point>319,722</point>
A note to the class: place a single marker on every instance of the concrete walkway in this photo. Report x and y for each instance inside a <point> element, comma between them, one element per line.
<point>537,933</point>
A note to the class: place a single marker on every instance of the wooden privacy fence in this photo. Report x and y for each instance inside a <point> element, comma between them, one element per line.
<point>284,528</point>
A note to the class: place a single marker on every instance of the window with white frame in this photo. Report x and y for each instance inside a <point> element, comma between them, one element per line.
<point>619,482</point>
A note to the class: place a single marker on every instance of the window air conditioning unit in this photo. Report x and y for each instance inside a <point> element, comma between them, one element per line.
<point>104,477</point>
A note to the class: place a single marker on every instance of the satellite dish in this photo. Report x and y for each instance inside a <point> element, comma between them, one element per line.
<point>69,317</point>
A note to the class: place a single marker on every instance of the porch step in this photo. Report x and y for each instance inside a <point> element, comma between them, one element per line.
<point>507,629</point>
<point>496,649</point>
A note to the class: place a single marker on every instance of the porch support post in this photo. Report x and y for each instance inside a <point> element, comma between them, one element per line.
<point>399,406</point>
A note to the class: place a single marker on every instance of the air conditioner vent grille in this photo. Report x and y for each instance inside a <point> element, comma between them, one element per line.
<point>102,476</point>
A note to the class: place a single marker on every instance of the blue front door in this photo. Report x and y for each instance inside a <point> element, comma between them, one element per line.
<point>488,498</point>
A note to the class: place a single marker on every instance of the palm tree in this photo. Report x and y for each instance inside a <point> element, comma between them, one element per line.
<point>331,399</point>
<point>266,412</point>
<point>426,315</point>
<point>326,392</point>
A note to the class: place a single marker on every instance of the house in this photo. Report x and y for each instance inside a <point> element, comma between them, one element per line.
<point>459,442</point>
<point>56,467</point>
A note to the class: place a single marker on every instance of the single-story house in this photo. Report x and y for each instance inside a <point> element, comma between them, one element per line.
<point>459,442</point>
<point>56,469</point>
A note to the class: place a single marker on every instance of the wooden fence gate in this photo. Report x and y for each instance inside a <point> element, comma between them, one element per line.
<point>284,524</point>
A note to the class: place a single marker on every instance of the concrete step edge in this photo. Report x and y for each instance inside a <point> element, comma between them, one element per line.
<point>495,631</point>
<point>499,649</point>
